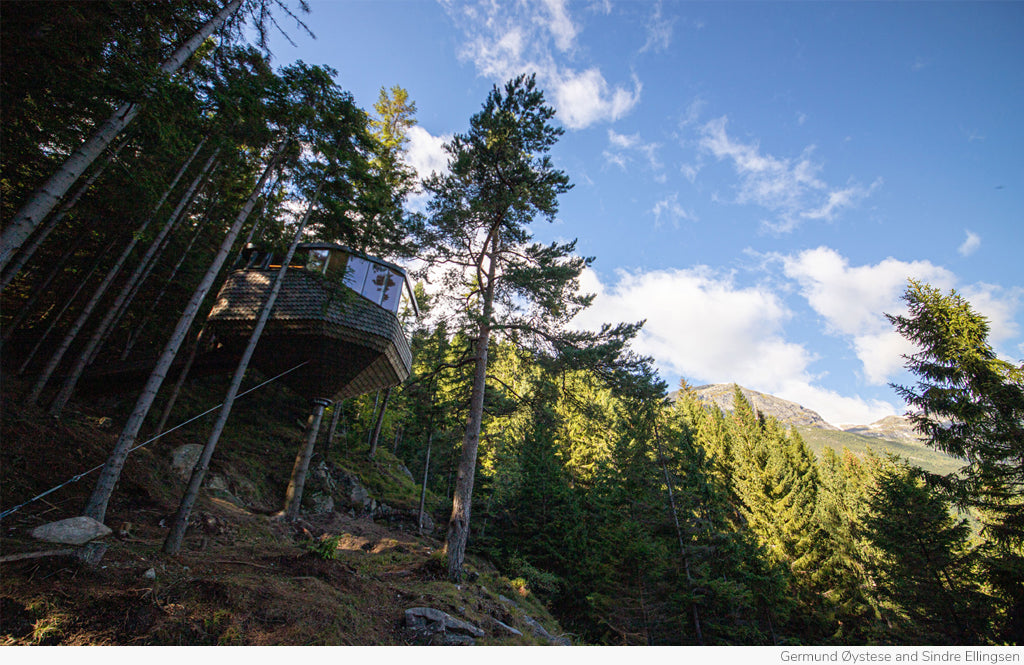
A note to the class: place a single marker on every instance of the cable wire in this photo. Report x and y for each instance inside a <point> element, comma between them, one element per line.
<point>75,479</point>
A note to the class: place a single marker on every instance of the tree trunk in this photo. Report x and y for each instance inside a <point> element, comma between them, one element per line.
<point>35,292</point>
<point>96,507</point>
<point>173,543</point>
<point>255,225</point>
<point>173,397</point>
<point>64,308</point>
<point>293,496</point>
<point>423,489</point>
<point>333,429</point>
<point>458,524</point>
<point>149,269</point>
<point>137,333</point>
<point>39,237</point>
<point>380,422</point>
<point>43,200</point>
<point>101,290</point>
<point>398,440</point>
<point>695,610</point>
<point>99,335</point>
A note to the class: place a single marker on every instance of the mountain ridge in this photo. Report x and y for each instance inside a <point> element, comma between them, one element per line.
<point>891,434</point>
<point>783,410</point>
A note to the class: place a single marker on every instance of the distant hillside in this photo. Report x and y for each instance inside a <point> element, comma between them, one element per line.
<point>786,412</point>
<point>893,428</point>
<point>915,451</point>
<point>892,434</point>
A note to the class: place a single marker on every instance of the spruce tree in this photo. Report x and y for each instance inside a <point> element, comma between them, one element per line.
<point>922,565</point>
<point>969,403</point>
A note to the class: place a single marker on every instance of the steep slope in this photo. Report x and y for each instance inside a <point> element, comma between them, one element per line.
<point>344,574</point>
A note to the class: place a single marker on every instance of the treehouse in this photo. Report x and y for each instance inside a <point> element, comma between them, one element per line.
<point>337,309</point>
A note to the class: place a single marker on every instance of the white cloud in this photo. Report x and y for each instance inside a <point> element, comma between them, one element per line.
<point>852,299</point>
<point>585,98</point>
<point>702,326</point>
<point>503,40</point>
<point>692,113</point>
<point>560,25</point>
<point>838,409</point>
<point>425,154</point>
<point>669,208</point>
<point>881,355</point>
<point>1000,306</point>
<point>970,244</point>
<point>790,188</point>
<point>838,199</point>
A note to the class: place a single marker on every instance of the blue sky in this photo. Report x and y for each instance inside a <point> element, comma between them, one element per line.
<point>756,180</point>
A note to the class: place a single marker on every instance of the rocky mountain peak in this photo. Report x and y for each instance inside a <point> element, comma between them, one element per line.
<point>786,412</point>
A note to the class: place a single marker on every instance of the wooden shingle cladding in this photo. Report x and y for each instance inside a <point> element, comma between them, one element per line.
<point>354,346</point>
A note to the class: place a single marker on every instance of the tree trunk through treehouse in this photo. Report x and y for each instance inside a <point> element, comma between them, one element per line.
<point>173,543</point>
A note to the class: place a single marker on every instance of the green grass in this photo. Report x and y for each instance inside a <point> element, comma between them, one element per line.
<point>918,454</point>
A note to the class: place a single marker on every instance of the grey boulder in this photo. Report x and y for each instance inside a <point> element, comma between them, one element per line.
<point>72,531</point>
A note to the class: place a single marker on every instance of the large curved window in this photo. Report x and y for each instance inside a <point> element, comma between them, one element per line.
<point>374,281</point>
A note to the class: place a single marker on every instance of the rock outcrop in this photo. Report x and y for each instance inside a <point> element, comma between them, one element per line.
<point>434,627</point>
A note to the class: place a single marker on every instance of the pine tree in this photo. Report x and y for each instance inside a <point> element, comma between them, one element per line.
<point>501,179</point>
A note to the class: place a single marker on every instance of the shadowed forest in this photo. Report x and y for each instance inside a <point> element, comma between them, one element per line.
<point>148,149</point>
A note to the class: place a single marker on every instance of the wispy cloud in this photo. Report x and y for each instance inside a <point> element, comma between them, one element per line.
<point>621,147</point>
<point>970,244</point>
<point>669,208</point>
<point>659,31</point>
<point>788,187</point>
<point>503,40</point>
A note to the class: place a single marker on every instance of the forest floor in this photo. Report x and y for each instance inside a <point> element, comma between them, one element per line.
<point>244,577</point>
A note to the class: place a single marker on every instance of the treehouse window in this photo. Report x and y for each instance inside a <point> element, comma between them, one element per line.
<point>355,273</point>
<point>376,280</point>
<point>392,292</point>
<point>317,261</point>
